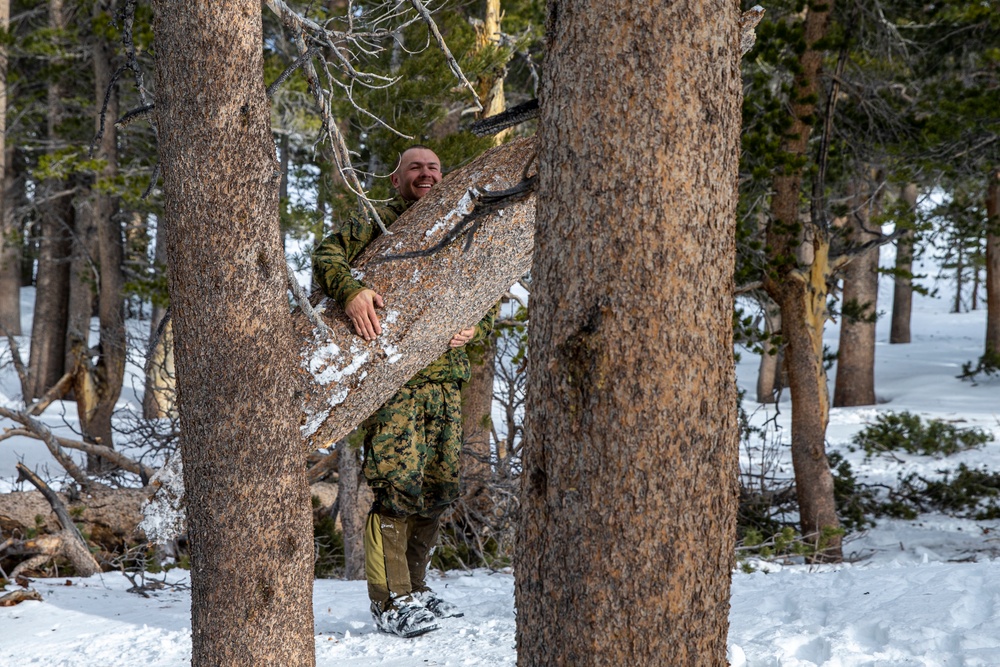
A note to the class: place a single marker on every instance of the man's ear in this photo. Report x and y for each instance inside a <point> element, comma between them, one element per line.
<point>394,179</point>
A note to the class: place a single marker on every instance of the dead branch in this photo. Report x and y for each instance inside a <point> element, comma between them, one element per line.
<point>15,353</point>
<point>55,392</point>
<point>303,300</point>
<point>844,258</point>
<point>46,436</point>
<point>72,546</point>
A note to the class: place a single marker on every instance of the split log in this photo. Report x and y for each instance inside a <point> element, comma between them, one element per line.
<point>16,597</point>
<point>429,295</point>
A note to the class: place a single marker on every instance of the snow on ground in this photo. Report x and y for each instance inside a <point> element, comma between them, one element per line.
<point>917,593</point>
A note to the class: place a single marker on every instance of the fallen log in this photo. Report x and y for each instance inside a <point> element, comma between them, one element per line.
<point>109,517</point>
<point>446,261</point>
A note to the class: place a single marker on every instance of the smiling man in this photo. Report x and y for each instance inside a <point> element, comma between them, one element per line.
<point>413,442</point>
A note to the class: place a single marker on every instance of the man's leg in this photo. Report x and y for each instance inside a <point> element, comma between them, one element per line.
<point>385,558</point>
<point>442,406</point>
<point>423,532</point>
<point>393,466</point>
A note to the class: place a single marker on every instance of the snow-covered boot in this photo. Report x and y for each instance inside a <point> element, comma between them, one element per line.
<point>437,606</point>
<point>405,616</point>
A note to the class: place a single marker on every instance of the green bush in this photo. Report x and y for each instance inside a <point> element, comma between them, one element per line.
<point>905,432</point>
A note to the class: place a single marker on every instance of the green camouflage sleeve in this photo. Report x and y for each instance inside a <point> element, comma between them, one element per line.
<point>332,258</point>
<point>485,325</point>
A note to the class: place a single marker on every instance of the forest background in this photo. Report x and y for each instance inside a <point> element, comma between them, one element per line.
<point>855,116</point>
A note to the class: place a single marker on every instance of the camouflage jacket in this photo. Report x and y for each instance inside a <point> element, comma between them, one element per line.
<point>332,272</point>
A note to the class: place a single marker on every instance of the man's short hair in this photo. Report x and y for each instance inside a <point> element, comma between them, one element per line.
<point>399,160</point>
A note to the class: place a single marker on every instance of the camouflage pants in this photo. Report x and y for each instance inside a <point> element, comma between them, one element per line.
<point>412,448</point>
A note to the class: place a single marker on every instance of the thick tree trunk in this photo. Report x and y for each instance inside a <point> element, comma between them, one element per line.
<point>10,246</point>
<point>629,485</point>
<point>993,265</point>
<point>249,516</point>
<point>798,286</point>
<point>902,292</point>
<point>769,371</point>
<point>427,298</point>
<point>49,323</point>
<point>855,384</point>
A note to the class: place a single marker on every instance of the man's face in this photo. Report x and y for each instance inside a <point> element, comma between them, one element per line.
<point>419,169</point>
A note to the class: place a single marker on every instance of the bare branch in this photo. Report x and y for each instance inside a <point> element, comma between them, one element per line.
<point>452,63</point>
<point>15,353</point>
<point>303,300</point>
<point>45,435</point>
<point>55,392</point>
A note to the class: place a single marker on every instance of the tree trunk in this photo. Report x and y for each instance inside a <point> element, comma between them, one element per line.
<point>855,384</point>
<point>490,84</point>
<point>10,246</point>
<point>249,516</point>
<point>477,421</point>
<point>107,375</point>
<point>629,486</point>
<point>348,378</point>
<point>82,277</point>
<point>355,500</point>
<point>800,261</point>
<point>160,389</point>
<point>49,323</point>
<point>993,265</point>
<point>902,293</point>
<point>769,373</point>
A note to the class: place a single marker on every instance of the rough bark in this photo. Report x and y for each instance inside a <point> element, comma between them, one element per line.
<point>249,516</point>
<point>355,500</point>
<point>10,247</point>
<point>427,299</point>
<point>798,285</point>
<point>477,420</point>
<point>993,265</point>
<point>902,291</point>
<point>630,455</point>
<point>48,329</point>
<point>855,383</point>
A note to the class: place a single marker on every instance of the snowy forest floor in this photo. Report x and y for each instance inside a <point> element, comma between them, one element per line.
<point>922,592</point>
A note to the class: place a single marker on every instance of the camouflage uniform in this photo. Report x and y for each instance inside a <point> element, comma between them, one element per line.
<point>412,443</point>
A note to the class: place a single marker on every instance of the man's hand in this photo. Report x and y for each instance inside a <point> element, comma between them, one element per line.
<point>361,310</point>
<point>462,337</point>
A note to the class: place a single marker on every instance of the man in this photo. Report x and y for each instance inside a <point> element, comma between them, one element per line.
<point>413,442</point>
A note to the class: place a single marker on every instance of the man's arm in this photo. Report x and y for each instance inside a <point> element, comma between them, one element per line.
<point>332,271</point>
<point>331,262</point>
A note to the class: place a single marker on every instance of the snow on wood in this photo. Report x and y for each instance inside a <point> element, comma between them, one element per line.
<point>427,299</point>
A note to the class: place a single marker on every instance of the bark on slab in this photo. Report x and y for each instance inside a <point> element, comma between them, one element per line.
<point>427,298</point>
